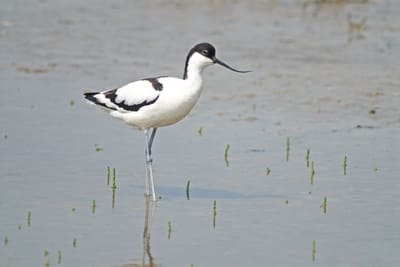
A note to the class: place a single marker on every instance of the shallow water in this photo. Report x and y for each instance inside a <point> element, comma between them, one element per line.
<point>329,85</point>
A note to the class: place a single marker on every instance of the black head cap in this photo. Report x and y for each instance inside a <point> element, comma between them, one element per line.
<point>207,50</point>
<point>204,49</point>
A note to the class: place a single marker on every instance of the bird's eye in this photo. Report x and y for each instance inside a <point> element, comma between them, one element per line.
<point>204,52</point>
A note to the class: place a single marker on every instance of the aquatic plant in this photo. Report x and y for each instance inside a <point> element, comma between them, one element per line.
<point>108,175</point>
<point>93,206</point>
<point>324,204</point>
<point>214,212</point>
<point>98,148</point>
<point>226,155</point>
<point>59,257</point>
<point>308,158</point>
<point>312,173</point>
<point>187,190</point>
<point>345,165</point>
<point>29,218</point>
<point>287,148</point>
<point>313,251</point>
<point>200,131</point>
<point>268,171</point>
<point>114,186</point>
<point>113,198</point>
<point>169,230</point>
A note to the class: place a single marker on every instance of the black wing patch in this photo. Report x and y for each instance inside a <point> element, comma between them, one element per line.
<point>112,95</point>
<point>155,83</point>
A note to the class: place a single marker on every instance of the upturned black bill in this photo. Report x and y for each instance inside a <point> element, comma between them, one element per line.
<point>216,60</point>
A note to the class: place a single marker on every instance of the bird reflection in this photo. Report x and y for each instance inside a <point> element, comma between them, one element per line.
<point>147,258</point>
<point>148,218</point>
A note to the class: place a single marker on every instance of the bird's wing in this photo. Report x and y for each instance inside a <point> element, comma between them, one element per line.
<point>130,97</point>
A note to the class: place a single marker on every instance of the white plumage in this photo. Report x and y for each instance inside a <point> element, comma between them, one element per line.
<point>157,102</point>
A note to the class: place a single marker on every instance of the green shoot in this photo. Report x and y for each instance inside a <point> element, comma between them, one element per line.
<point>114,186</point>
<point>29,218</point>
<point>226,155</point>
<point>108,175</point>
<point>187,190</point>
<point>214,212</point>
<point>200,131</point>
<point>313,251</point>
<point>59,257</point>
<point>312,173</point>
<point>93,206</point>
<point>324,204</point>
<point>169,230</point>
<point>287,148</point>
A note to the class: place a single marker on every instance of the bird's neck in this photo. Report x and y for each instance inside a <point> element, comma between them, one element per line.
<point>194,79</point>
<point>192,73</point>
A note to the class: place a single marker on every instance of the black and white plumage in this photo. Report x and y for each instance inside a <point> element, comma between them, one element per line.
<point>157,102</point>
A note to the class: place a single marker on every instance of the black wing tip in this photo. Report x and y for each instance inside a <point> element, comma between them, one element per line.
<point>90,96</point>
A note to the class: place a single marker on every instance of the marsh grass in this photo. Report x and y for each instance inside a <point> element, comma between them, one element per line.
<point>28,219</point>
<point>187,190</point>
<point>169,230</point>
<point>308,158</point>
<point>214,213</point>
<point>93,206</point>
<point>324,204</point>
<point>200,131</point>
<point>98,148</point>
<point>74,243</point>
<point>113,198</point>
<point>59,257</point>
<point>114,186</point>
<point>313,251</point>
<point>108,175</point>
<point>312,173</point>
<point>226,155</point>
<point>345,165</point>
<point>287,148</point>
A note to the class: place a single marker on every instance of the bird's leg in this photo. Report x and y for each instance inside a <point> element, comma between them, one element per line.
<point>149,170</point>
<point>153,133</point>
<point>147,192</point>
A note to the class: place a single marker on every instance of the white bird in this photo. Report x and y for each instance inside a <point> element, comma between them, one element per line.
<point>151,103</point>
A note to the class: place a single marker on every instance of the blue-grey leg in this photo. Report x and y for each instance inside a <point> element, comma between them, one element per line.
<point>153,133</point>
<point>149,169</point>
